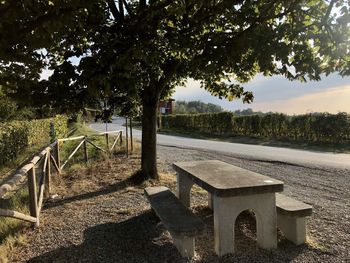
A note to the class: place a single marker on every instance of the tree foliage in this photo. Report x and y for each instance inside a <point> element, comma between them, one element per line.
<point>10,110</point>
<point>182,107</point>
<point>161,43</point>
<point>247,112</point>
<point>145,48</point>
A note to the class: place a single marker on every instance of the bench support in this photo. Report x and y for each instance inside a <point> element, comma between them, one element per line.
<point>184,185</point>
<point>184,244</point>
<point>181,223</point>
<point>227,209</point>
<point>293,228</point>
<point>291,218</point>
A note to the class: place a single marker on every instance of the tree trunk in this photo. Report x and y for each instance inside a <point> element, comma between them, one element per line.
<point>149,137</point>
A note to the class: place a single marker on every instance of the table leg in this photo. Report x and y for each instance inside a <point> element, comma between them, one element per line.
<point>223,225</point>
<point>184,185</point>
<point>210,201</point>
<point>266,221</point>
<point>227,209</point>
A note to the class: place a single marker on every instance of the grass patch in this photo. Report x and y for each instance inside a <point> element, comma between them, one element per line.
<point>324,147</point>
<point>315,245</point>
<point>10,228</point>
<point>10,243</point>
<point>94,154</point>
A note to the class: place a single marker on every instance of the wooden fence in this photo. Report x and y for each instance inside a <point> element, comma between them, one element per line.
<point>40,168</point>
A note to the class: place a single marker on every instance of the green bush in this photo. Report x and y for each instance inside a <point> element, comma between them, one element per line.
<point>8,109</point>
<point>13,138</point>
<point>317,127</point>
<point>39,130</point>
<point>218,123</point>
<point>17,135</point>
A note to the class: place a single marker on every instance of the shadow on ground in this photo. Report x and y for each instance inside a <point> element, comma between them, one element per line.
<point>143,239</point>
<point>104,191</point>
<point>139,239</point>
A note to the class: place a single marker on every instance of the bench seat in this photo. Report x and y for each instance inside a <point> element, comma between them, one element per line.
<point>182,224</point>
<point>291,218</point>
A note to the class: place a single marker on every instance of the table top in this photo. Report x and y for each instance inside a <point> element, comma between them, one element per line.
<point>223,179</point>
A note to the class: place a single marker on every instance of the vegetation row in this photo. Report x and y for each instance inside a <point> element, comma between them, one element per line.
<point>317,127</point>
<point>15,136</point>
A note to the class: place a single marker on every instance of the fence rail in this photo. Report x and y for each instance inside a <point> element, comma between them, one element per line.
<point>41,165</point>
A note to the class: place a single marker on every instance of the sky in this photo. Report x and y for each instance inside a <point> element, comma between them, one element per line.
<point>277,94</point>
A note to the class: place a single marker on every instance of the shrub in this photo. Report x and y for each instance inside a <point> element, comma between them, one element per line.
<point>17,135</point>
<point>317,127</point>
<point>8,109</point>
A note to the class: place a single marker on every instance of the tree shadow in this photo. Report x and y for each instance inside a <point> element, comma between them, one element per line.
<point>143,239</point>
<point>104,191</point>
<point>138,239</point>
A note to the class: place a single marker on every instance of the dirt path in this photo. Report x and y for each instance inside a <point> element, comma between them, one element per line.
<point>103,217</point>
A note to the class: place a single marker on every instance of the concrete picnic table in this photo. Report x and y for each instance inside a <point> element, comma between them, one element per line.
<point>232,191</point>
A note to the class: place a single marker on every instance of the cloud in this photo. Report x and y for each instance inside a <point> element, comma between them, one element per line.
<point>332,100</point>
<point>275,93</point>
<point>278,88</point>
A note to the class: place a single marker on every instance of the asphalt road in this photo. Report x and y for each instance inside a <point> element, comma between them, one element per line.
<point>246,151</point>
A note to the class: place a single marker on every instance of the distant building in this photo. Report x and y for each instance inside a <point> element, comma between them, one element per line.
<point>166,106</point>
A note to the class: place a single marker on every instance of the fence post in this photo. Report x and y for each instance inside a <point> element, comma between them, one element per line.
<point>57,154</point>
<point>48,176</point>
<point>160,120</point>
<point>85,150</point>
<point>33,206</point>
<point>131,142</point>
<point>107,142</point>
<point>126,137</point>
<point>121,138</point>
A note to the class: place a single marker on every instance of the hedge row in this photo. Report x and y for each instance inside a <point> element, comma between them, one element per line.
<point>317,127</point>
<point>17,135</point>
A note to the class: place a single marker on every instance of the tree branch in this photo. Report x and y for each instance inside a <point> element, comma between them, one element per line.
<point>127,7</point>
<point>121,8</point>
<point>169,71</point>
<point>329,10</point>
<point>114,9</point>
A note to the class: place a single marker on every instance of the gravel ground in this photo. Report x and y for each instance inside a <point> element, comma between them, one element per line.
<point>326,189</point>
<point>100,216</point>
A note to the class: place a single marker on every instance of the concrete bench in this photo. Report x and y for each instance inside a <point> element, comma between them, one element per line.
<point>182,224</point>
<point>291,218</point>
